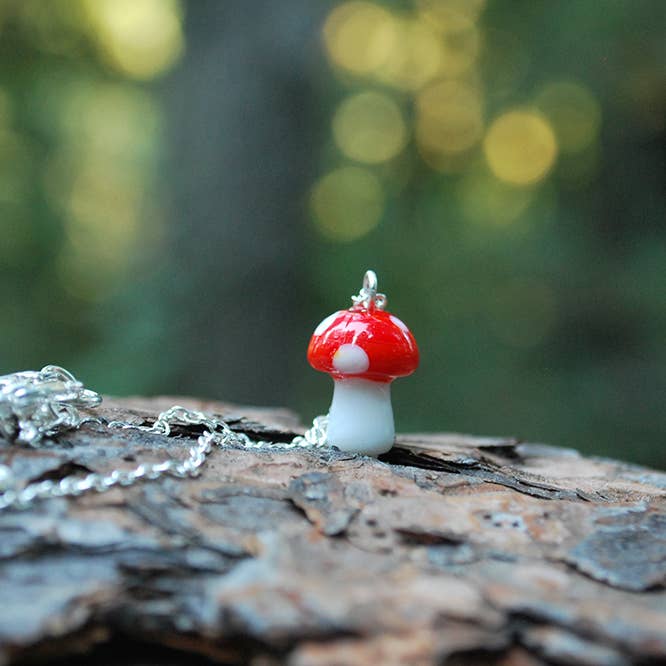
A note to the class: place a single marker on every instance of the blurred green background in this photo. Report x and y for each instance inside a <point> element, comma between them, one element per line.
<point>188,188</point>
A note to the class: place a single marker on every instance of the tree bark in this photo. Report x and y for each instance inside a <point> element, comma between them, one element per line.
<point>449,549</point>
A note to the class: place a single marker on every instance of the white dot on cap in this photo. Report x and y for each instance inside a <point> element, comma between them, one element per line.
<point>326,323</point>
<point>351,360</point>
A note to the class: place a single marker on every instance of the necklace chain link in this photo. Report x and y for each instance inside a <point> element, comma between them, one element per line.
<point>40,404</point>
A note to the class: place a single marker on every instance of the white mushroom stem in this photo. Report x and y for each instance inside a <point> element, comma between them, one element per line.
<point>360,419</point>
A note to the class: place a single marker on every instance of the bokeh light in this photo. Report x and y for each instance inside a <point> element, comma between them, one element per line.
<point>369,128</point>
<point>404,50</point>
<point>140,38</point>
<point>573,112</point>
<point>110,119</point>
<point>102,227</point>
<point>416,57</point>
<point>450,15</point>
<point>455,21</point>
<point>460,49</point>
<point>359,36</point>
<point>97,179</point>
<point>449,118</point>
<point>489,202</point>
<point>101,231</point>
<point>520,147</point>
<point>347,203</point>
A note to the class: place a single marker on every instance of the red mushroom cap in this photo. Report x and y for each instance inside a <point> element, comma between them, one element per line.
<point>369,344</point>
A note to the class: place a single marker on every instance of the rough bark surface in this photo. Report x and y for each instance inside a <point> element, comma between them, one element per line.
<point>450,549</point>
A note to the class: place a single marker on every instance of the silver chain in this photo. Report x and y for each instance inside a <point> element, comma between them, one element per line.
<point>35,405</point>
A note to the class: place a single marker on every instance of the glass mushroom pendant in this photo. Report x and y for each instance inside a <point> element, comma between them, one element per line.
<point>363,349</point>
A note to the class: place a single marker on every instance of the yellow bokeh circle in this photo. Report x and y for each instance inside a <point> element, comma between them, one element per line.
<point>520,147</point>
<point>450,15</point>
<point>449,117</point>
<point>369,128</point>
<point>359,36</point>
<point>140,38</point>
<point>416,57</point>
<point>347,203</point>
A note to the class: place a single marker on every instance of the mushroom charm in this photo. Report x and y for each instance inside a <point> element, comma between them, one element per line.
<point>364,349</point>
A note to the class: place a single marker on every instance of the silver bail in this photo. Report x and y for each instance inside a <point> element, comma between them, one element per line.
<point>368,297</point>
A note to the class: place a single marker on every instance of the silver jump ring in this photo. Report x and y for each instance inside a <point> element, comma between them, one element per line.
<point>370,281</point>
<point>368,296</point>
